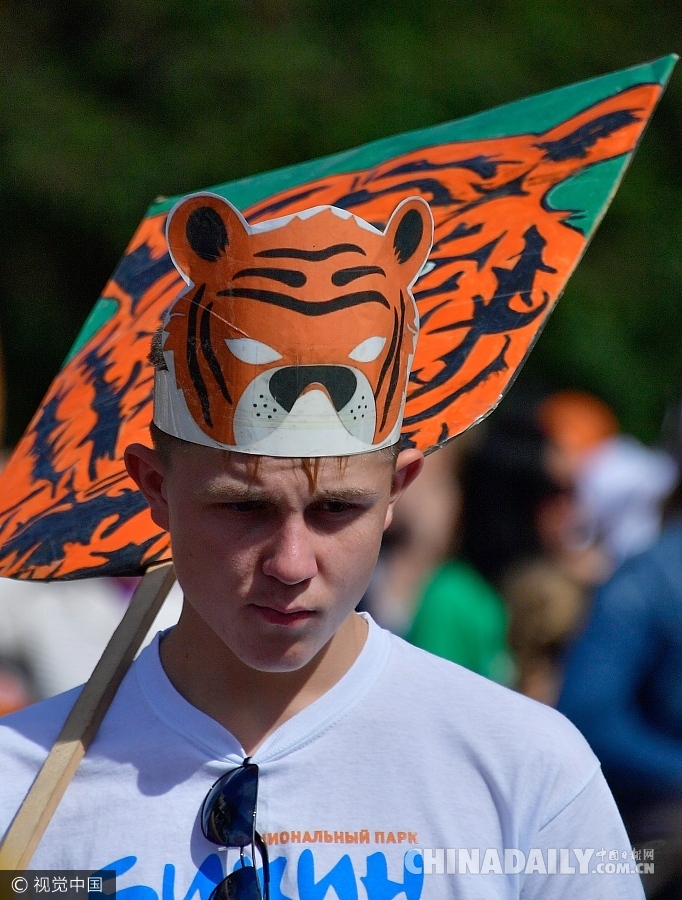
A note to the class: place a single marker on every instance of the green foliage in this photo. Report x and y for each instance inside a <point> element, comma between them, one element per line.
<point>107,104</point>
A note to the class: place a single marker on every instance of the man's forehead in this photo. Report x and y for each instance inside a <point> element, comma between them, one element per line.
<point>225,471</point>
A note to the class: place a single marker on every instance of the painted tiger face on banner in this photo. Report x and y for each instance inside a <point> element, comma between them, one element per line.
<point>295,336</point>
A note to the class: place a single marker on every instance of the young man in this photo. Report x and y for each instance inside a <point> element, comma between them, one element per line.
<point>273,720</point>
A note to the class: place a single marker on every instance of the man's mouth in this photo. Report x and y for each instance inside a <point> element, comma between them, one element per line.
<point>282,617</point>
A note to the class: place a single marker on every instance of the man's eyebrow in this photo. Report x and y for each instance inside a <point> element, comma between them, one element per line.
<point>236,493</point>
<point>346,494</point>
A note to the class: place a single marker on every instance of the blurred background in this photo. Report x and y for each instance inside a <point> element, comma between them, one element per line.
<point>544,548</point>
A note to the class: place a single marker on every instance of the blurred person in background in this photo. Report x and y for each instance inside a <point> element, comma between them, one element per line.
<point>460,616</point>
<point>605,506</point>
<point>620,484</point>
<point>576,425</point>
<point>517,533</point>
<point>506,601</point>
<point>547,587</point>
<point>545,608</point>
<point>16,689</point>
<point>623,689</point>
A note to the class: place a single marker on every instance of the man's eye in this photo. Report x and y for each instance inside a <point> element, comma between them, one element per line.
<point>335,506</point>
<point>245,506</point>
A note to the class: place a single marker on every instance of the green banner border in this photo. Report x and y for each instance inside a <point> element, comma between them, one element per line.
<point>536,113</point>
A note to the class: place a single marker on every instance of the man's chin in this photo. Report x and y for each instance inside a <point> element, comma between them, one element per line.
<point>279,649</point>
<point>282,663</point>
<point>286,649</point>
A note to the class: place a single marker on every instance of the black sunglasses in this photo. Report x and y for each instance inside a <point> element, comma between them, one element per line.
<point>228,818</point>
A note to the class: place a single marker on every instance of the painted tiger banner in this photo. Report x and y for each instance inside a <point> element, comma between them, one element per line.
<point>516,194</point>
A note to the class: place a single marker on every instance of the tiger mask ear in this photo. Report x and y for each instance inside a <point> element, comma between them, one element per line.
<point>410,234</point>
<point>205,231</point>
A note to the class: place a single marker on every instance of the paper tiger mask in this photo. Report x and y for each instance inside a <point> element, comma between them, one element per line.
<point>294,336</point>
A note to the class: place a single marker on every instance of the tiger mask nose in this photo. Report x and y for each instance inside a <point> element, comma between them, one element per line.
<point>288,383</point>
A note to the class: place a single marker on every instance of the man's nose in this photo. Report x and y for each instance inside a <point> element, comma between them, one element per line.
<point>290,557</point>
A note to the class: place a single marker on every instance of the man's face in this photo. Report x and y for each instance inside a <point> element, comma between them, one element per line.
<point>272,564</point>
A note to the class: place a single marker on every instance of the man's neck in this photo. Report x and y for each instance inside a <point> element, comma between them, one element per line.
<point>249,703</point>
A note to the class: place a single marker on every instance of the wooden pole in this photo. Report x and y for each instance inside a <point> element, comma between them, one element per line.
<point>81,726</point>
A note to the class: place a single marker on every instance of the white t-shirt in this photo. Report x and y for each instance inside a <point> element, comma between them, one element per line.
<point>407,755</point>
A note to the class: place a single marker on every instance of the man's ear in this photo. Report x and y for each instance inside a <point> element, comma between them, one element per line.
<point>408,465</point>
<point>148,472</point>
